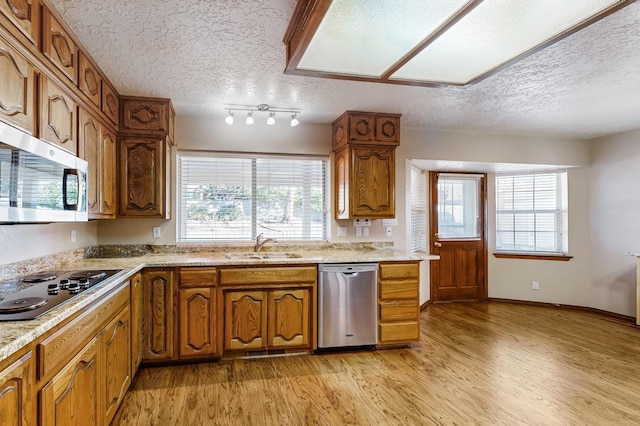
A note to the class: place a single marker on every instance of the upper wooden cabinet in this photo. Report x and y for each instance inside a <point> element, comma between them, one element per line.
<point>356,127</point>
<point>25,16</point>
<point>17,88</point>
<point>97,145</point>
<point>364,164</point>
<point>58,46</point>
<point>90,80</point>
<point>110,104</point>
<point>58,116</point>
<point>148,116</point>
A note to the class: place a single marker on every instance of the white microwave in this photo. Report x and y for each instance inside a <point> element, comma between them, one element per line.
<point>39,182</point>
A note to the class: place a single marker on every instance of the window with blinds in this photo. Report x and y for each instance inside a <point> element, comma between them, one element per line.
<point>418,207</point>
<point>531,212</point>
<point>236,198</point>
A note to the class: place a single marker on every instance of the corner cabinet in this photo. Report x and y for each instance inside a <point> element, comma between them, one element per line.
<point>268,308</point>
<point>364,164</point>
<point>398,303</point>
<point>145,138</point>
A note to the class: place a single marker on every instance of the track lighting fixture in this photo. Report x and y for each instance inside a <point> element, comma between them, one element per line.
<point>294,120</point>
<point>229,119</point>
<point>271,120</point>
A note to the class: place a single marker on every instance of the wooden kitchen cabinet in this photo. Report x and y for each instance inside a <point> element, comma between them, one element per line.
<point>90,81</point>
<point>58,46</point>
<point>146,116</point>
<point>116,344</point>
<point>158,314</point>
<point>109,102</point>
<point>58,116</point>
<point>25,17</point>
<point>136,323</point>
<point>97,145</point>
<point>73,396</point>
<point>268,308</point>
<point>17,89</point>
<point>17,405</point>
<point>398,303</point>
<point>142,166</point>
<point>197,313</point>
<point>364,164</point>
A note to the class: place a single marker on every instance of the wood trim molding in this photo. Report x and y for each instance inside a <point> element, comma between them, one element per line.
<point>425,305</point>
<point>622,319</point>
<point>530,256</point>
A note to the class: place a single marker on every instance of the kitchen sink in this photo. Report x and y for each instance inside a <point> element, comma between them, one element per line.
<point>266,255</point>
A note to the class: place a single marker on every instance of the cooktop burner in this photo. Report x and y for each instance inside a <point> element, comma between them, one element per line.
<point>21,304</point>
<point>48,291</point>
<point>42,276</point>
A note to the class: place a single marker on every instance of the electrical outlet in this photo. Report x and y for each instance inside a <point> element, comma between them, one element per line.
<point>535,285</point>
<point>389,231</point>
<point>73,235</point>
<point>358,231</point>
<point>156,232</point>
<point>366,222</point>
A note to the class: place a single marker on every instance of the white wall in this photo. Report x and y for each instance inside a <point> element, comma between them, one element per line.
<point>615,221</point>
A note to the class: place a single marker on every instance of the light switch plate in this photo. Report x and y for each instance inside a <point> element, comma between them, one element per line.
<point>156,232</point>
<point>390,222</point>
<point>342,231</point>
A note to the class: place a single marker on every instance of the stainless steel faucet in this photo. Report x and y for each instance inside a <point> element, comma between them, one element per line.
<point>260,242</point>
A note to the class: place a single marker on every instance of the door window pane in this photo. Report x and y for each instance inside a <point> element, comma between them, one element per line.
<point>458,206</point>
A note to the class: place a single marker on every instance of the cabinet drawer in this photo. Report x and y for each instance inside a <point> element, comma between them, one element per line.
<point>398,271</point>
<point>398,311</point>
<point>198,277</point>
<point>55,349</point>
<point>268,275</point>
<point>399,332</point>
<point>398,290</point>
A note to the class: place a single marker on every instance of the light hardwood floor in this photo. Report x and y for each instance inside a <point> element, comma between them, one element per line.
<point>476,364</point>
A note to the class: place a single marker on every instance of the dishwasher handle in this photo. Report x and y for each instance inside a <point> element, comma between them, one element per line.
<point>351,274</point>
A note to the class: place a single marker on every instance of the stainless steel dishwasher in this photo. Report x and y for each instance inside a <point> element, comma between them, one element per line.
<point>347,305</point>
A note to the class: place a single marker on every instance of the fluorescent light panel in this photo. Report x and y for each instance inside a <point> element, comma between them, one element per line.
<point>370,39</point>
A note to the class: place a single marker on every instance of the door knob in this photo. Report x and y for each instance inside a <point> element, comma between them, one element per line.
<point>437,244</point>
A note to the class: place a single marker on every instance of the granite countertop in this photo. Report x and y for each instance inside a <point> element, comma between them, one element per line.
<point>14,335</point>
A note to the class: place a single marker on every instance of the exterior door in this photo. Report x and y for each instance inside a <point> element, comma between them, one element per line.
<point>457,228</point>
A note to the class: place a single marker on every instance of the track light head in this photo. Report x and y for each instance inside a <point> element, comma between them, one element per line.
<point>229,119</point>
<point>294,120</point>
<point>271,120</point>
<point>249,120</point>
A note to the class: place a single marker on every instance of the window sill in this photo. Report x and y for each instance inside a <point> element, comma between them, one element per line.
<point>533,256</point>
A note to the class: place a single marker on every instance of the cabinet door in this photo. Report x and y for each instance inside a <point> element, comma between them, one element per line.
<point>108,174</point>
<point>72,396</point>
<point>58,116</point>
<point>145,115</point>
<point>341,194</point>
<point>25,15</point>
<point>245,320</point>
<point>157,315</point>
<point>388,129</point>
<point>17,87</point>
<point>17,406</point>
<point>142,170</point>
<point>136,323</point>
<point>109,103</point>
<point>197,322</point>
<point>58,46</point>
<point>89,150</point>
<point>90,79</point>
<point>362,127</point>
<point>373,182</point>
<point>289,318</point>
<point>117,362</point>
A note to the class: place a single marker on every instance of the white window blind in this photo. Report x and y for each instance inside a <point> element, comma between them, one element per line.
<point>235,198</point>
<point>531,212</point>
<point>418,206</point>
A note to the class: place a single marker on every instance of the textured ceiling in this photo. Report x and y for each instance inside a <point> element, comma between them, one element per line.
<point>206,53</point>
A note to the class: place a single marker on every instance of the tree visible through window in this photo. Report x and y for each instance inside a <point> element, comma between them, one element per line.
<point>237,198</point>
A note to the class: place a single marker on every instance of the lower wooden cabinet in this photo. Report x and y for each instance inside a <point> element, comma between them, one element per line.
<point>197,320</point>
<point>136,323</point>
<point>158,314</point>
<point>289,318</point>
<point>398,303</point>
<point>17,405</point>
<point>245,320</point>
<point>72,397</point>
<point>116,345</point>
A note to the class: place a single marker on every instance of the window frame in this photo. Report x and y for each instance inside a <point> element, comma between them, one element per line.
<point>254,228</point>
<point>560,213</point>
